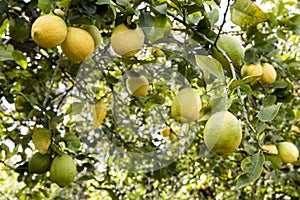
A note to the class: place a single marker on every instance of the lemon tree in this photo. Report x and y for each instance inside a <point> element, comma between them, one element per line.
<point>66,89</point>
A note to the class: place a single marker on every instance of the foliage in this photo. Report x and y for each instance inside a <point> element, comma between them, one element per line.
<point>41,88</point>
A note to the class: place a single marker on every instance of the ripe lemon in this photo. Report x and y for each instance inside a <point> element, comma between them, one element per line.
<point>63,170</point>
<point>39,163</point>
<point>233,48</point>
<point>78,45</point>
<point>137,86</point>
<point>49,31</point>
<point>222,133</point>
<point>127,42</point>
<point>165,132</point>
<point>252,70</point>
<point>269,74</point>
<point>186,105</point>
<point>288,152</point>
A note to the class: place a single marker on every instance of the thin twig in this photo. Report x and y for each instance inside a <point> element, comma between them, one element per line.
<point>223,23</point>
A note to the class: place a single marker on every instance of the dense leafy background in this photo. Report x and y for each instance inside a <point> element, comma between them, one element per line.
<point>36,86</point>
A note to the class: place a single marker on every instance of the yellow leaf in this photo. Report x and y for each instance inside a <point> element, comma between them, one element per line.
<point>99,113</point>
<point>41,139</point>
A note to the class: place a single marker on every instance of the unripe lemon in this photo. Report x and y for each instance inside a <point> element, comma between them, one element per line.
<point>39,163</point>
<point>269,74</point>
<point>137,86</point>
<point>233,48</point>
<point>49,31</point>
<point>186,105</point>
<point>222,133</point>
<point>252,70</point>
<point>63,170</point>
<point>127,42</point>
<point>78,45</point>
<point>288,152</point>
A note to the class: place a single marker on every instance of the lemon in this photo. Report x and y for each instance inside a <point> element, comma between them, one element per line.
<point>41,139</point>
<point>222,133</point>
<point>99,113</point>
<point>252,70</point>
<point>186,105</point>
<point>137,86</point>
<point>95,33</point>
<point>78,45</point>
<point>269,74</point>
<point>165,132</point>
<point>233,48</point>
<point>39,163</point>
<point>49,31</point>
<point>127,42</point>
<point>63,170</point>
<point>288,152</point>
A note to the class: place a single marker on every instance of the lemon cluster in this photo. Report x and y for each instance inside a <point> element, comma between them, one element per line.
<point>264,73</point>
<point>77,43</point>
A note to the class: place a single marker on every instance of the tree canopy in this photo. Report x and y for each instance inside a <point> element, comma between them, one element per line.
<point>128,145</point>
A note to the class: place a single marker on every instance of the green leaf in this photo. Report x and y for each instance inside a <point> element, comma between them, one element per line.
<point>103,2</point>
<point>20,59</point>
<point>246,13</point>
<point>211,65</point>
<point>45,5</point>
<point>63,3</point>
<point>123,2</point>
<point>146,20</point>
<point>268,113</point>
<point>161,25</point>
<point>3,26</point>
<point>6,52</point>
<point>162,9</point>
<point>73,142</point>
<point>252,166</point>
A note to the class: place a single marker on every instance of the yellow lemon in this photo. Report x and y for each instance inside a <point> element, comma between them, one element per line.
<point>125,41</point>
<point>78,45</point>
<point>222,133</point>
<point>137,86</point>
<point>288,152</point>
<point>63,170</point>
<point>269,74</point>
<point>49,31</point>
<point>252,70</point>
<point>186,105</point>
